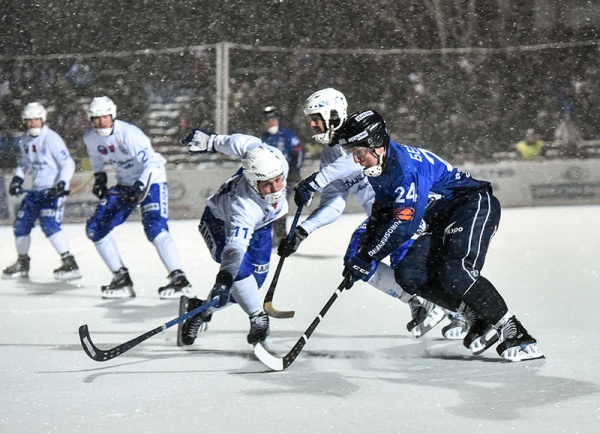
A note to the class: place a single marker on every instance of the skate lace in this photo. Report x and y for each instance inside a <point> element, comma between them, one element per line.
<point>416,308</point>
<point>509,330</point>
<point>470,316</point>
<point>193,325</point>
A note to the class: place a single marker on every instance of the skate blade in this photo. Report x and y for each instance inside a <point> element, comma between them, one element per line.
<point>523,353</point>
<point>174,294</point>
<point>183,301</point>
<point>15,276</point>
<point>71,275</point>
<point>433,319</point>
<point>458,332</point>
<point>118,293</point>
<point>484,342</point>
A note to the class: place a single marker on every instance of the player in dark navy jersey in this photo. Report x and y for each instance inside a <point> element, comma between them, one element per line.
<point>444,264</point>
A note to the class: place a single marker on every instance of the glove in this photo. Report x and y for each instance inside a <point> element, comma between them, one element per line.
<point>289,246</point>
<point>199,141</point>
<point>99,189</point>
<point>359,267</point>
<point>222,288</point>
<point>135,193</point>
<point>305,189</point>
<point>58,190</point>
<point>15,189</point>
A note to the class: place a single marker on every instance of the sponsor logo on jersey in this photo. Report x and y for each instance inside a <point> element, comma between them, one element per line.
<point>111,148</point>
<point>384,239</point>
<point>404,214</point>
<point>349,183</point>
<point>102,149</point>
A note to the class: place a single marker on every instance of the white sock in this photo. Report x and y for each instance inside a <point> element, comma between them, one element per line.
<point>23,243</point>
<point>167,251</point>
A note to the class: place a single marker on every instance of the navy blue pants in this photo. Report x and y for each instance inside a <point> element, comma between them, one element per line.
<point>451,257</point>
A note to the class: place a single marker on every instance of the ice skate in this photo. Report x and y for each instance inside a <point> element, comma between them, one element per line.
<point>516,344</point>
<point>425,316</point>
<point>481,334</point>
<point>457,329</point>
<point>68,270</point>
<point>18,269</point>
<point>120,287</point>
<point>187,332</point>
<point>259,328</point>
<point>178,285</point>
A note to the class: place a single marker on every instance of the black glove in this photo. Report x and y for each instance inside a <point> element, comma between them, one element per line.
<point>135,193</point>
<point>100,189</point>
<point>287,247</point>
<point>222,288</point>
<point>304,190</point>
<point>58,190</point>
<point>14,189</point>
<point>359,267</point>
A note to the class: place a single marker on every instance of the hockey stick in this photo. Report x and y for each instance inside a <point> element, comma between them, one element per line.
<point>268,302</point>
<point>103,355</point>
<point>280,363</point>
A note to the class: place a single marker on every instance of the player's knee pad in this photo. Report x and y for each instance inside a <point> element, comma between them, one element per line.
<point>455,279</point>
<point>95,231</point>
<point>49,226</point>
<point>154,227</point>
<point>410,279</point>
<point>22,227</point>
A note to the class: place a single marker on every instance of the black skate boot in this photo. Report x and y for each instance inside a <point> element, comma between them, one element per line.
<point>457,329</point>
<point>18,269</point>
<point>481,333</point>
<point>516,344</point>
<point>68,270</point>
<point>120,287</point>
<point>187,332</point>
<point>178,285</point>
<point>259,328</point>
<point>425,316</point>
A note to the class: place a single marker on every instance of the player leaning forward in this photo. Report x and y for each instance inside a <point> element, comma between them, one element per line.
<point>236,226</point>
<point>45,155</point>
<point>443,265</point>
<point>141,179</point>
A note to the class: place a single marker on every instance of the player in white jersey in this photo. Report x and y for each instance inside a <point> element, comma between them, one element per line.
<point>141,179</point>
<point>44,154</point>
<point>338,178</point>
<point>236,227</point>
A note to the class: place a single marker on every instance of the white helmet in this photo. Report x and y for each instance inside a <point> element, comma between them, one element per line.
<point>331,104</point>
<point>262,164</point>
<point>34,110</point>
<point>102,106</point>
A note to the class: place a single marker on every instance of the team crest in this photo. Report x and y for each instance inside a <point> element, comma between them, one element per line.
<point>122,148</point>
<point>102,149</point>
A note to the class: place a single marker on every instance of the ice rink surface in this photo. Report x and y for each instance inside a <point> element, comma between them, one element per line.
<point>361,371</point>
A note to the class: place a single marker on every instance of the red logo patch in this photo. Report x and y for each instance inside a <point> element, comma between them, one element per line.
<point>404,214</point>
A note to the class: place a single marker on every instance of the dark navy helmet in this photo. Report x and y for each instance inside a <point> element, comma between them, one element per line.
<point>270,112</point>
<point>363,129</point>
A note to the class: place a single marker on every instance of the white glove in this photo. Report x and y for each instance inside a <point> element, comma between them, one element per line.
<point>199,141</point>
